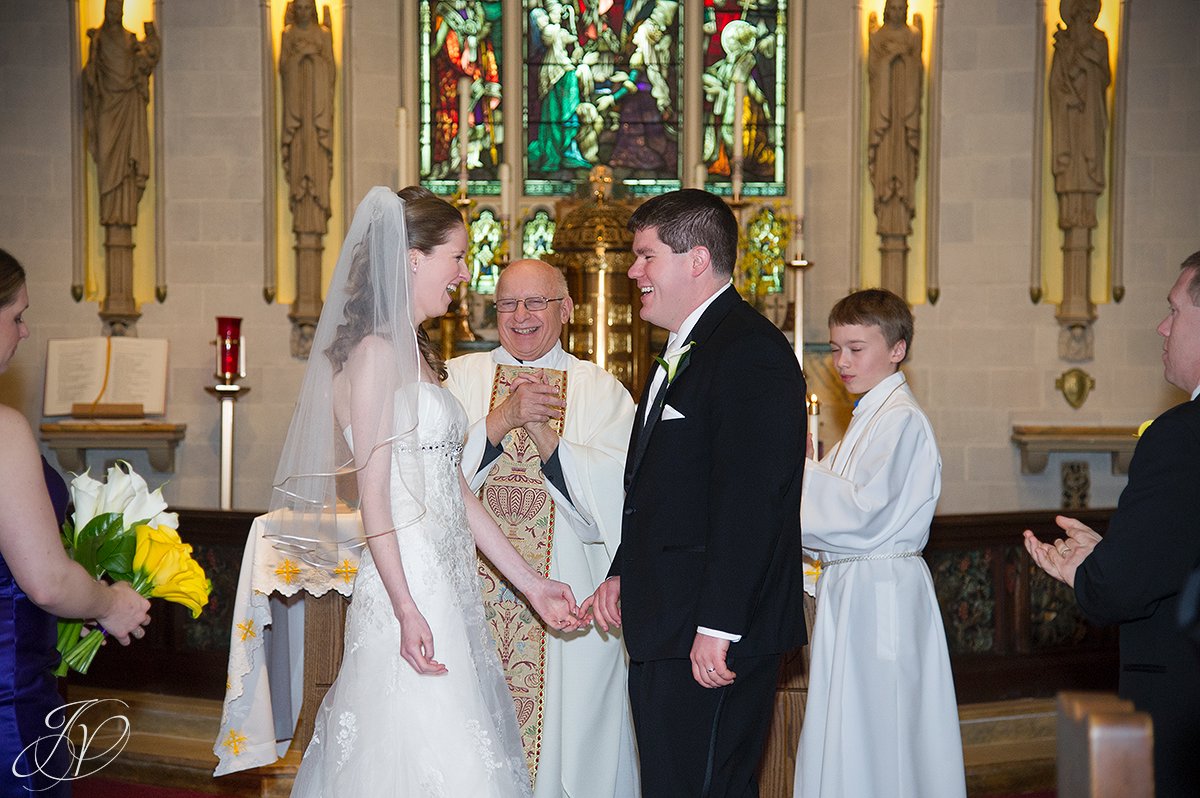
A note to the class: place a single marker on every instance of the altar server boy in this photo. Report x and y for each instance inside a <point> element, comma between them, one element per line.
<point>881,718</point>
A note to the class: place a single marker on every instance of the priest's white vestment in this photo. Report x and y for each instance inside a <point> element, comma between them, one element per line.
<point>587,733</point>
<point>881,718</point>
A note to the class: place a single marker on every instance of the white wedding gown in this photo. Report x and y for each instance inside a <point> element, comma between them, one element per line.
<point>384,729</point>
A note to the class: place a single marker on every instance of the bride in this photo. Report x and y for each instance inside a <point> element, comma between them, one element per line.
<point>420,706</point>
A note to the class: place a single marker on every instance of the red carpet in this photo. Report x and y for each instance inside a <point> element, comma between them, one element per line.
<point>96,787</point>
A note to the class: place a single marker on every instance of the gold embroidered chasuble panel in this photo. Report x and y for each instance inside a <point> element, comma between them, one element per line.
<point>516,497</point>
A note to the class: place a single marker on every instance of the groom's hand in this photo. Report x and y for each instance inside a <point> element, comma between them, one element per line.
<point>605,604</point>
<point>708,661</point>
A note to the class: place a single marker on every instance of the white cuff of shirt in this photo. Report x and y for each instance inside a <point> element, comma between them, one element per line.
<point>732,638</point>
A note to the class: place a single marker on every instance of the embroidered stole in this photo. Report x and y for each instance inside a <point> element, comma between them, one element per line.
<point>516,497</point>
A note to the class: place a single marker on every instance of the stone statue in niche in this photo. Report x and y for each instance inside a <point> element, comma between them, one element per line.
<point>895,75</point>
<point>116,96</point>
<point>1079,80</point>
<point>306,75</point>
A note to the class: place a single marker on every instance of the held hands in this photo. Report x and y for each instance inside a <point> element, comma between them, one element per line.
<point>555,605</point>
<point>416,641</point>
<point>604,605</point>
<point>1062,558</point>
<point>708,661</point>
<point>128,612</point>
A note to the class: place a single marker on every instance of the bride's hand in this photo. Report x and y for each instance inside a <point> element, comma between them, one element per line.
<point>416,642</point>
<point>555,604</point>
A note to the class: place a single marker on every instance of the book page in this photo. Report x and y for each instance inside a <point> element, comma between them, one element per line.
<point>138,374</point>
<point>74,369</point>
<point>75,373</point>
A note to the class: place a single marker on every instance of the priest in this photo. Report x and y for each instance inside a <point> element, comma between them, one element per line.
<point>546,451</point>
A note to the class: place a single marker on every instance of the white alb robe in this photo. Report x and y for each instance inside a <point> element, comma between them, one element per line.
<point>881,718</point>
<point>587,732</point>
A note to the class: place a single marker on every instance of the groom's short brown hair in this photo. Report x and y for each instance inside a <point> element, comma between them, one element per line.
<point>690,218</point>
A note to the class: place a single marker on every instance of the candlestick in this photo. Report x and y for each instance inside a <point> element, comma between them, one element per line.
<point>700,175</point>
<point>739,102</point>
<point>797,267</point>
<point>814,424</point>
<point>231,364</point>
<point>464,111</point>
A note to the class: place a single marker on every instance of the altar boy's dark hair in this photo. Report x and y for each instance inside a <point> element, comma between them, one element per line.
<point>881,308</point>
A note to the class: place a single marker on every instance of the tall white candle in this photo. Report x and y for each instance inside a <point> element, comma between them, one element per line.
<point>814,424</point>
<point>402,176</point>
<point>504,174</point>
<point>796,187</point>
<point>700,175</point>
<point>739,103</point>
<point>464,130</point>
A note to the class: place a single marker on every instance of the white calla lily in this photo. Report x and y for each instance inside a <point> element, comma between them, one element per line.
<point>145,507</point>
<point>120,488</point>
<point>86,496</point>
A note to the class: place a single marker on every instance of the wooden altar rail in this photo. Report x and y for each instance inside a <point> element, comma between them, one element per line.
<point>1011,633</point>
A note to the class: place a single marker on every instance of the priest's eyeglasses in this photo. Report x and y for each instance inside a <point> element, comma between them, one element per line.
<point>532,303</point>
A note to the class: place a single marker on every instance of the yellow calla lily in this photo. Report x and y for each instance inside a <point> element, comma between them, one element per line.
<point>165,569</point>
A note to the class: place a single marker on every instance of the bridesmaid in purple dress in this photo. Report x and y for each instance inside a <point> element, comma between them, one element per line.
<point>37,583</point>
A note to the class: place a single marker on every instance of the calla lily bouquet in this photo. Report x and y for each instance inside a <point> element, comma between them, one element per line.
<point>120,529</point>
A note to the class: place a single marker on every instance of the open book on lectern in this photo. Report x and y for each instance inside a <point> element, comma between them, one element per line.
<point>105,377</point>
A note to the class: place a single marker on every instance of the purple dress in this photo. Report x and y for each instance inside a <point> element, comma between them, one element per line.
<point>28,692</point>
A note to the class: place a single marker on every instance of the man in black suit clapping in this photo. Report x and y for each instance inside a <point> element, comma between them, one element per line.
<point>707,582</point>
<point>1133,576</point>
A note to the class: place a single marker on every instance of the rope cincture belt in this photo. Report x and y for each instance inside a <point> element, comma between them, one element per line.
<point>869,557</point>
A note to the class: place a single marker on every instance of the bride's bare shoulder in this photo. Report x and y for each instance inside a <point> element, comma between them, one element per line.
<point>370,350</point>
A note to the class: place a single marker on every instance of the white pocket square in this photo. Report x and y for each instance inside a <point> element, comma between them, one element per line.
<point>669,413</point>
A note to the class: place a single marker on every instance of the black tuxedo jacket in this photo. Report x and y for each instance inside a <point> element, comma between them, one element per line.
<point>711,528</point>
<point>1134,577</point>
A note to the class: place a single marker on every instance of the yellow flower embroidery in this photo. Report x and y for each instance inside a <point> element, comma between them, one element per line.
<point>346,571</point>
<point>234,742</point>
<point>247,629</point>
<point>287,571</point>
<point>812,573</point>
<point>1142,428</point>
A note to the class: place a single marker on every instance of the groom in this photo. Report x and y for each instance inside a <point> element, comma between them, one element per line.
<point>707,581</point>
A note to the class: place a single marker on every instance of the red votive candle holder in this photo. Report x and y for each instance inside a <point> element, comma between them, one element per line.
<point>229,341</point>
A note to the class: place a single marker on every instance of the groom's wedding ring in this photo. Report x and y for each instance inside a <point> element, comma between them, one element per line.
<point>1064,550</point>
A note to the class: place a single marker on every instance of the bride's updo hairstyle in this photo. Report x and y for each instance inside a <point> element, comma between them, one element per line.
<point>428,221</point>
<point>12,277</point>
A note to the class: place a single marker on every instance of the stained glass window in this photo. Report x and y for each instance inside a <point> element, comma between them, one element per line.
<point>602,86</point>
<point>486,251</point>
<point>745,42</point>
<point>538,236</point>
<point>766,239</point>
<point>461,39</point>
